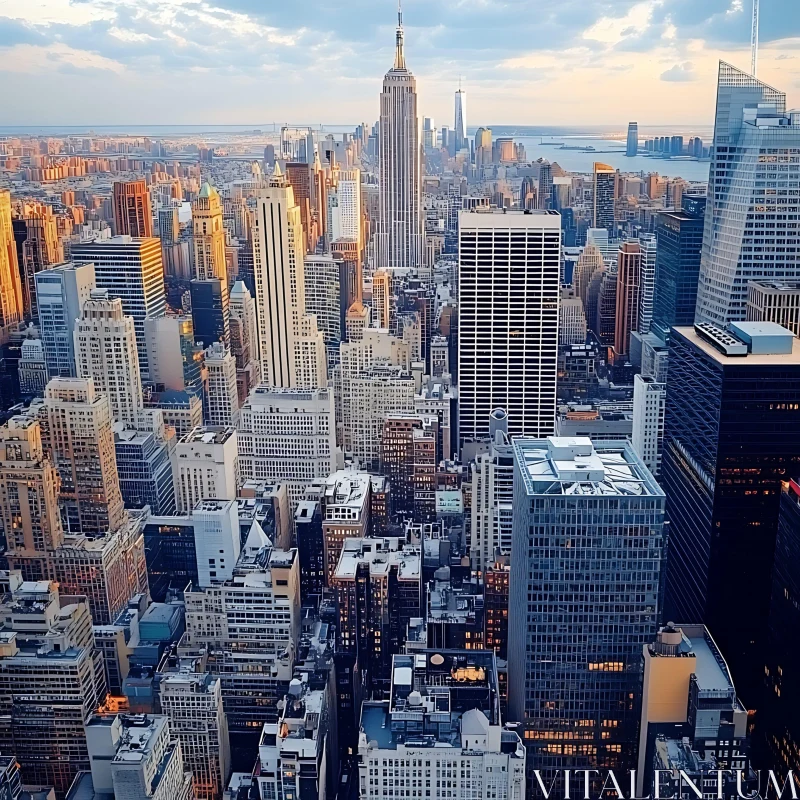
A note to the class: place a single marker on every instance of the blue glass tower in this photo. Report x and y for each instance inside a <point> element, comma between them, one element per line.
<point>752,223</point>
<point>679,236</point>
<point>584,599</point>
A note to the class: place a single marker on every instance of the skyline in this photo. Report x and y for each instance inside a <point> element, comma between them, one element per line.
<point>271,64</point>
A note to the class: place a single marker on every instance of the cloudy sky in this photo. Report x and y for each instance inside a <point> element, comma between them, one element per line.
<point>559,62</point>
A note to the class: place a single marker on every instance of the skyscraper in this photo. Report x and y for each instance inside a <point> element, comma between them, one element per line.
<point>132,270</point>
<point>206,467</point>
<point>289,436</point>
<point>79,437</point>
<point>508,321</point>
<point>105,350</point>
<point>648,248</point>
<point>679,238</point>
<point>590,263</point>
<point>344,207</point>
<point>244,340</point>
<point>222,398</point>
<point>210,311</point>
<point>545,185</point>
<point>400,238</point>
<point>603,202</point>
<point>38,247</point>
<point>29,486</point>
<point>132,213</point>
<point>632,147</point>
<point>300,176</point>
<point>730,438</point>
<point>323,300</point>
<point>292,348</point>
<point>751,209</point>
<point>460,126</point>
<point>629,276</point>
<point>209,235</point>
<point>60,295</point>
<point>778,719</point>
<point>10,279</point>
<point>576,629</point>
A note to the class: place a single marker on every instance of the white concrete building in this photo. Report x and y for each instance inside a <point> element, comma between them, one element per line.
<point>217,540</point>
<point>344,206</point>
<point>289,436</point>
<point>134,758</point>
<point>492,499</point>
<point>376,393</point>
<point>243,308</point>
<point>509,264</point>
<point>222,398</point>
<point>571,319</point>
<point>323,300</point>
<point>376,347</point>
<point>424,743</point>
<point>252,623</point>
<point>292,348</point>
<point>193,704</point>
<point>205,467</point>
<point>170,347</point>
<point>649,399</point>
<point>647,246</point>
<point>105,349</point>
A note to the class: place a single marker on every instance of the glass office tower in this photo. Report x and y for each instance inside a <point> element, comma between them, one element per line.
<point>584,599</point>
<point>751,226</point>
<point>731,435</point>
<point>680,238</point>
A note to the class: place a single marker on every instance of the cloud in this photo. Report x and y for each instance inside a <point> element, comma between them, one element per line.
<point>28,58</point>
<point>679,73</point>
<point>579,59</point>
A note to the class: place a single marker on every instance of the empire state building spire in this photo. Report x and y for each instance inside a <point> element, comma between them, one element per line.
<point>399,56</point>
<point>400,237</point>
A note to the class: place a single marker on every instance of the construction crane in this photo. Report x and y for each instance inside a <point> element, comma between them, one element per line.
<point>754,41</point>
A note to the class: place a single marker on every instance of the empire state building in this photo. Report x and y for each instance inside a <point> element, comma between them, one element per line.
<point>400,241</point>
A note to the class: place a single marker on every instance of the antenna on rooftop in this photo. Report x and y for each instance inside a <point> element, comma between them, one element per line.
<point>754,41</point>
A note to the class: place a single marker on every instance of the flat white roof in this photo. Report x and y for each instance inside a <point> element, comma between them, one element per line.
<point>496,218</point>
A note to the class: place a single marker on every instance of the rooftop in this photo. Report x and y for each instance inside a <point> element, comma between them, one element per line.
<point>346,488</point>
<point>726,349</point>
<point>576,466</point>
<point>381,555</point>
<point>208,435</point>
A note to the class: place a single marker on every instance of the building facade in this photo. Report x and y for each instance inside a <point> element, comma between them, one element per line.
<point>400,236</point>
<point>748,195</point>
<point>508,337</point>
<point>584,598</point>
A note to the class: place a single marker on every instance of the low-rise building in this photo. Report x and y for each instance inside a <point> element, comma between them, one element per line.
<point>439,735</point>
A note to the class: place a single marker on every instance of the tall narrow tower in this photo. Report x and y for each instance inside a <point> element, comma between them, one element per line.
<point>400,237</point>
<point>754,41</point>
<point>209,235</point>
<point>460,126</point>
<point>292,348</point>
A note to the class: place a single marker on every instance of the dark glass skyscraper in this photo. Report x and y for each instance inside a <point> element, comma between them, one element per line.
<point>680,239</point>
<point>632,145</point>
<point>778,722</point>
<point>210,311</point>
<point>731,434</point>
<point>584,599</point>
